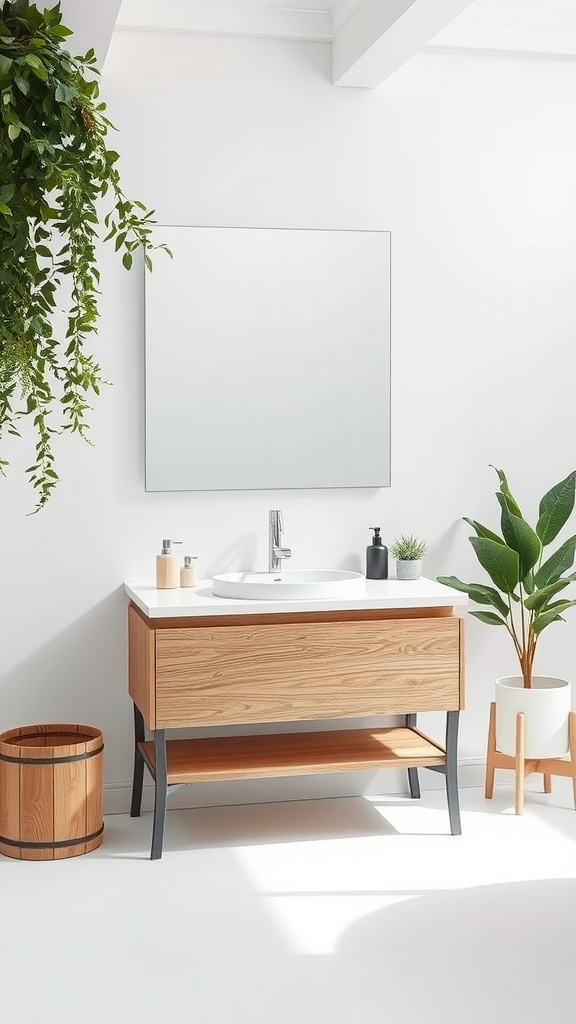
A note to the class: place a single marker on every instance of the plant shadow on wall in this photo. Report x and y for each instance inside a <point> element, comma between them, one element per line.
<point>55,169</point>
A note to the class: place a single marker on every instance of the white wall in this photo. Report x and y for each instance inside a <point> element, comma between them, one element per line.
<point>470,162</point>
<point>92,25</point>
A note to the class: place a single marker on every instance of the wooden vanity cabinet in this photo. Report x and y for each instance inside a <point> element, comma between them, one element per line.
<point>292,667</point>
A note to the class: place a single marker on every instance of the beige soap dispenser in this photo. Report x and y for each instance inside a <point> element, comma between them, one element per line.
<point>167,568</point>
<point>188,573</point>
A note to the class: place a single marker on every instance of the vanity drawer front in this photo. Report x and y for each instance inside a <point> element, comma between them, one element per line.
<point>298,671</point>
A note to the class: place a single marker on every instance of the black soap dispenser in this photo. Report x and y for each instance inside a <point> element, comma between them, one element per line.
<point>376,557</point>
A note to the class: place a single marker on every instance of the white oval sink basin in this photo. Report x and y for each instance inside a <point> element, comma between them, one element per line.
<point>284,586</point>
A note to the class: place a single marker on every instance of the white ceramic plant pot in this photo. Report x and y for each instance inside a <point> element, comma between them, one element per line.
<point>545,706</point>
<point>408,569</point>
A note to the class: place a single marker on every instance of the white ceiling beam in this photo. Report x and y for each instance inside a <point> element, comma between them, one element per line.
<point>279,20</point>
<point>380,36</point>
<point>534,29</point>
<point>92,24</point>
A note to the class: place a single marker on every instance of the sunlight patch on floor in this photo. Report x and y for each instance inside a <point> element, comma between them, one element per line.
<point>315,890</point>
<point>314,924</point>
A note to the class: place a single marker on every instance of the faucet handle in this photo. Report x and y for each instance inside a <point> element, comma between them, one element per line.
<point>275,517</point>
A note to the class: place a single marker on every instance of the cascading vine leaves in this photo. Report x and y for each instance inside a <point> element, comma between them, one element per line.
<point>524,585</point>
<point>55,170</point>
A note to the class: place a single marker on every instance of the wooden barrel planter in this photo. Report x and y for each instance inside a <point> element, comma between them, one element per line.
<point>50,791</point>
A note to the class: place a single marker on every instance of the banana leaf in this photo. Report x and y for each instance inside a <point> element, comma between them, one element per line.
<point>555,509</point>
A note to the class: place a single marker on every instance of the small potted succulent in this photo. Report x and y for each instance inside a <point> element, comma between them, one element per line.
<point>408,552</point>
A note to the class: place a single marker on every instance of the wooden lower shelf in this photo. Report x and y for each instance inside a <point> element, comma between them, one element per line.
<point>306,753</point>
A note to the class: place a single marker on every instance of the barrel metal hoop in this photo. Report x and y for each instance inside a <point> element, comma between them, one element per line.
<point>60,845</point>
<point>51,760</point>
<point>49,732</point>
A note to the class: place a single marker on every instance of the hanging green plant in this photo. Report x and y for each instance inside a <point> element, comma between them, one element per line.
<point>55,170</point>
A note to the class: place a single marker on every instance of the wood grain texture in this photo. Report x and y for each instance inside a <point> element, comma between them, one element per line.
<point>291,672</point>
<point>36,810</point>
<point>94,797</point>
<point>141,665</point>
<point>45,803</point>
<point>9,806</point>
<point>283,754</point>
<point>69,782</point>
<point>462,661</point>
<point>279,618</point>
<point>490,752</point>
<point>522,767</point>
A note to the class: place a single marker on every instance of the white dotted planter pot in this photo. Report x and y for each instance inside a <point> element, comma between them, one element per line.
<point>408,569</point>
<point>545,706</point>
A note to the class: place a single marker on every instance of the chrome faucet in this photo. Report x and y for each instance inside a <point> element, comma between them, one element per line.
<point>275,550</point>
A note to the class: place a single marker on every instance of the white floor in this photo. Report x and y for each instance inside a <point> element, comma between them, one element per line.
<point>344,911</point>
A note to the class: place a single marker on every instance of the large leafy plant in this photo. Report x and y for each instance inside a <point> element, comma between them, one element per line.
<point>55,169</point>
<point>527,586</point>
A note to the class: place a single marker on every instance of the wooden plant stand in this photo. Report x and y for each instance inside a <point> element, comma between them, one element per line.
<point>522,766</point>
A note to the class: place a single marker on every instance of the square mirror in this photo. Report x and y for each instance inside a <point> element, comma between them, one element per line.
<point>268,359</point>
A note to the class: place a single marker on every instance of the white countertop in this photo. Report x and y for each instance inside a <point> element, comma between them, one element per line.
<point>199,600</point>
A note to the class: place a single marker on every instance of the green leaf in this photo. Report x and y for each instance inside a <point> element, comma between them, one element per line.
<point>490,617</point>
<point>33,61</point>
<point>13,131</point>
<point>551,614</point>
<point>559,606</point>
<point>555,509</point>
<point>63,93</point>
<point>40,72</point>
<point>519,536</point>
<point>512,504</point>
<point>482,531</point>
<point>22,83</point>
<point>557,564</point>
<point>534,602</point>
<point>500,562</point>
<point>127,260</point>
<point>478,592</point>
<point>61,31</point>
<point>528,582</point>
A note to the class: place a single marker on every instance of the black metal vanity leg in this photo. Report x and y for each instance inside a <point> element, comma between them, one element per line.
<point>138,777</point>
<point>452,721</point>
<point>414,783</point>
<point>413,780</point>
<point>160,793</point>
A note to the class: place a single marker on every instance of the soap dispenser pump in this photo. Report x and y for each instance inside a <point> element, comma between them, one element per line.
<point>188,573</point>
<point>376,557</point>
<point>167,568</point>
